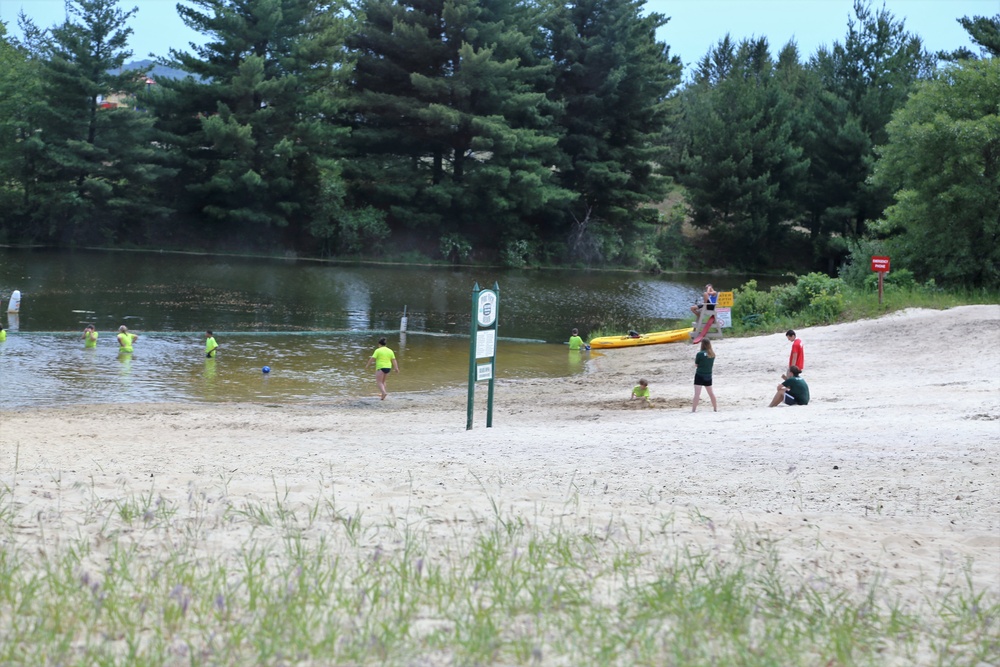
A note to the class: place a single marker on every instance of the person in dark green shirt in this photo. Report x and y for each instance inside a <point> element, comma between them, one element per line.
<point>793,390</point>
<point>704,361</point>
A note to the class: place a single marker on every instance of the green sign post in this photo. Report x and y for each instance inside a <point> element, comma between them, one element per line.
<point>483,346</point>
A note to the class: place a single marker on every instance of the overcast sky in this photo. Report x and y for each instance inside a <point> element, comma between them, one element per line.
<point>694,27</point>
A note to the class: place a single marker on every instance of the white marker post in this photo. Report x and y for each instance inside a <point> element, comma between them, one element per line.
<point>14,305</point>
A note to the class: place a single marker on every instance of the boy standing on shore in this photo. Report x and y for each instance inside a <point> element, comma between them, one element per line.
<point>797,356</point>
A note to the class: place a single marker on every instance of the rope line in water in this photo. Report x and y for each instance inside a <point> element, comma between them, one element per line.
<point>248,334</point>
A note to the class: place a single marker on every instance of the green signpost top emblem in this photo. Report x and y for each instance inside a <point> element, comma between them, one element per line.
<point>486,309</point>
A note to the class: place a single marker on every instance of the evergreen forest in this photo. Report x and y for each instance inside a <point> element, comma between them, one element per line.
<point>513,132</point>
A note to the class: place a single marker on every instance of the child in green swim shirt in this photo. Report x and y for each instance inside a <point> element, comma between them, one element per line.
<point>90,336</point>
<point>641,391</point>
<point>211,347</point>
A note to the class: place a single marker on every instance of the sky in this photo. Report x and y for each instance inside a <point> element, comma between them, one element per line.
<point>695,25</point>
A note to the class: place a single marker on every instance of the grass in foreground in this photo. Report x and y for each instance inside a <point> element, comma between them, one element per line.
<point>146,581</point>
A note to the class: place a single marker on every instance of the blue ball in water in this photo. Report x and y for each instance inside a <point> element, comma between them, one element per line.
<point>266,369</point>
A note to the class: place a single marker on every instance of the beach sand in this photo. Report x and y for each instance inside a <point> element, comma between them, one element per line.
<point>892,471</point>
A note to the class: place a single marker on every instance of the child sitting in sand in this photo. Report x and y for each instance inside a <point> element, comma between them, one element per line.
<point>641,391</point>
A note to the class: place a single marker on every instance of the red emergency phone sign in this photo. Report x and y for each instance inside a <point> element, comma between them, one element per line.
<point>880,264</point>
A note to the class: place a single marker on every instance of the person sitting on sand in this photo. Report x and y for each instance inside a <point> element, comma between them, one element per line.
<point>793,390</point>
<point>641,391</point>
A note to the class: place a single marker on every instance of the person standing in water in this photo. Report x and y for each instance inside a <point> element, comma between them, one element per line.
<point>211,347</point>
<point>89,337</point>
<point>385,361</point>
<point>125,339</point>
<point>575,342</point>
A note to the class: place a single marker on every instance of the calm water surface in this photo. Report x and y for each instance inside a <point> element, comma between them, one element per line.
<point>315,324</point>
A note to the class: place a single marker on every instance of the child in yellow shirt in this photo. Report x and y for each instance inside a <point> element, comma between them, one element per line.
<point>641,391</point>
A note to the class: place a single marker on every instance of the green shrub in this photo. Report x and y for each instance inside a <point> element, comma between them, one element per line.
<point>814,298</point>
<point>825,308</point>
<point>455,248</point>
<point>858,267</point>
<point>751,307</point>
<point>515,254</point>
<point>895,280</point>
<point>806,289</point>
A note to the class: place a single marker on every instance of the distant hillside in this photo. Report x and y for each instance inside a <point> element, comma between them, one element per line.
<point>152,69</point>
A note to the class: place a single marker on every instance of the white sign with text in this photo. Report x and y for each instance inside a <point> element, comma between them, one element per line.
<point>486,344</point>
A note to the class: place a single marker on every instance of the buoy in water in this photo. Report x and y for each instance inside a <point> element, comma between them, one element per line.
<point>266,369</point>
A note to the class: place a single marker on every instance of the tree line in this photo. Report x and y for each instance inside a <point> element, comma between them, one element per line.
<point>518,131</point>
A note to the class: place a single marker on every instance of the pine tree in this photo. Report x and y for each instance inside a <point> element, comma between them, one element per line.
<point>92,162</point>
<point>252,125</point>
<point>19,85</point>
<point>743,169</point>
<point>612,80</point>
<point>868,76</point>
<point>449,121</point>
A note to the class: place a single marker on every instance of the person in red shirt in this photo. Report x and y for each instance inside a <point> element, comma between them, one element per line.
<point>798,356</point>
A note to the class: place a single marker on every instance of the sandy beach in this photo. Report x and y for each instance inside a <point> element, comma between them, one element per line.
<point>893,469</point>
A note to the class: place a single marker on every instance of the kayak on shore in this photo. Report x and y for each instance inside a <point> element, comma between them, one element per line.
<point>654,338</point>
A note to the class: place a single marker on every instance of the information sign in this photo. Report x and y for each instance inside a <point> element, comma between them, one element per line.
<point>725,299</point>
<point>725,316</point>
<point>482,345</point>
<point>486,343</point>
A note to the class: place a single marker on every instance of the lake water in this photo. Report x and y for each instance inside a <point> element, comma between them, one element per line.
<point>314,324</point>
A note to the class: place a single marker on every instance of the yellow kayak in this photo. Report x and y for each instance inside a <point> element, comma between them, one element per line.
<point>655,338</point>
